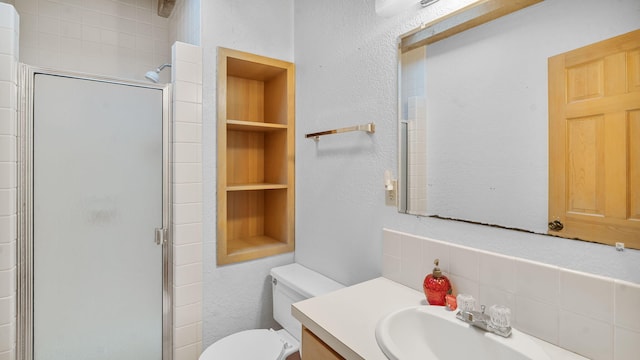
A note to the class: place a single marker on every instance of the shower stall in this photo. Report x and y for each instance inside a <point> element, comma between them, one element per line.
<point>94,276</point>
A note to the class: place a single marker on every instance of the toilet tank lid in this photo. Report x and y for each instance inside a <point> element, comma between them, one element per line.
<point>304,281</point>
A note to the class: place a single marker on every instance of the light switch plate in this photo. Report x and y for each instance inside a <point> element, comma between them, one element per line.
<point>391,198</point>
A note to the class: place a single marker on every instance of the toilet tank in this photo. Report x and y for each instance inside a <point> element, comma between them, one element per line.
<point>292,283</point>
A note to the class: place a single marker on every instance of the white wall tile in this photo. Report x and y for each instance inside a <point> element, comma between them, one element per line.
<point>186,91</point>
<point>188,294</point>
<point>187,193</point>
<point>7,67</point>
<point>5,94</point>
<point>7,202</point>
<point>190,53</point>
<point>627,305</point>
<point>7,121</point>
<point>71,12</point>
<point>49,7</point>
<point>184,234</point>
<point>49,25</point>
<point>8,280</point>
<point>7,41</point>
<point>391,268</point>
<point>7,255</point>
<point>497,271</point>
<point>587,295</point>
<point>7,19</point>
<point>432,250</point>
<point>411,266</point>
<point>464,262</point>
<point>537,281</point>
<point>626,344</point>
<point>187,152</point>
<point>586,336</point>
<point>187,254</point>
<point>7,310</point>
<point>8,355</point>
<point>186,335</point>
<point>187,132</point>
<point>187,274</point>
<point>188,352</point>
<point>536,318</point>
<point>462,285</point>
<point>7,337</point>
<point>187,213</point>
<point>8,177</point>
<point>391,243</point>
<point>188,314</point>
<point>187,173</point>
<point>186,112</point>
<point>145,4</point>
<point>8,229</point>
<point>188,71</point>
<point>490,295</point>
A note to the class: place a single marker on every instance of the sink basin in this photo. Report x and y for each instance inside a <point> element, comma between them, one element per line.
<point>432,332</point>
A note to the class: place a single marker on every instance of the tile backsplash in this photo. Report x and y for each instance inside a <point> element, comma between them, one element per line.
<point>594,316</point>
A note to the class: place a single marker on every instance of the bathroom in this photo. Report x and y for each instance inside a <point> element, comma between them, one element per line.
<point>346,58</point>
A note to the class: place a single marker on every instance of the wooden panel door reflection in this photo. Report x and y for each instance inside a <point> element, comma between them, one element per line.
<point>594,142</point>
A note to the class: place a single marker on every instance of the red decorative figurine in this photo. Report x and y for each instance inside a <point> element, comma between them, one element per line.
<point>436,286</point>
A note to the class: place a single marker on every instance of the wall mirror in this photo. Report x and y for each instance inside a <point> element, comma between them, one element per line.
<point>473,146</point>
<point>471,174</point>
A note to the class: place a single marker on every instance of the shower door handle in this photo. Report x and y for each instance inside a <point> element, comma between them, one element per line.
<point>161,236</point>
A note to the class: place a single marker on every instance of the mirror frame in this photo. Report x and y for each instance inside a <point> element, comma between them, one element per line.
<point>470,16</point>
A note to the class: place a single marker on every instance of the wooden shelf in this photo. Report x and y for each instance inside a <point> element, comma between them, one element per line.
<point>249,187</point>
<point>248,245</point>
<point>255,156</point>
<point>239,125</point>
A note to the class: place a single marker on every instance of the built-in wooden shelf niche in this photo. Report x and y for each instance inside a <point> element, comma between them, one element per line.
<point>255,156</point>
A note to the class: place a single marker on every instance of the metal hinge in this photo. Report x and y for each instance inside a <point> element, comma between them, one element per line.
<point>161,236</point>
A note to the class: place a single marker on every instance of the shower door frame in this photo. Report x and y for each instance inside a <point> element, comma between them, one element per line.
<point>24,328</point>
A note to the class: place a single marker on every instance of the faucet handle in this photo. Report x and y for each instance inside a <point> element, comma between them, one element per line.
<point>500,316</point>
<point>466,302</point>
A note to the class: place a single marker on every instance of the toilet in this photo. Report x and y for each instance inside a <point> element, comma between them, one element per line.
<point>290,283</point>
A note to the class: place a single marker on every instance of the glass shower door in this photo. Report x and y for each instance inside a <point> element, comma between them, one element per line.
<point>97,200</point>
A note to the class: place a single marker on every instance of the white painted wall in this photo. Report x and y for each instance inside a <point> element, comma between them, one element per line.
<point>238,296</point>
<point>184,22</point>
<point>347,70</point>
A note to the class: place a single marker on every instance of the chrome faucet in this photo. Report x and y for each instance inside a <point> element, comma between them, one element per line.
<point>497,323</point>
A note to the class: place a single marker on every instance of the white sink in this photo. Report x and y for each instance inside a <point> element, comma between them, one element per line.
<point>432,332</point>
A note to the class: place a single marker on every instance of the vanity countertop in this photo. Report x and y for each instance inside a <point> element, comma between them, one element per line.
<point>346,319</point>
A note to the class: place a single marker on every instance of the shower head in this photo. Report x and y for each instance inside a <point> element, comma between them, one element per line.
<point>154,75</point>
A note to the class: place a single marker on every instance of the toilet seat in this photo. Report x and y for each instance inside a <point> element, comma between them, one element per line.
<point>256,344</point>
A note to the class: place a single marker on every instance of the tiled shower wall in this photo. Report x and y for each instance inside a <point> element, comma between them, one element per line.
<point>417,155</point>
<point>8,177</point>
<point>414,112</point>
<point>119,38</point>
<point>187,187</point>
<point>593,316</point>
<point>187,201</point>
